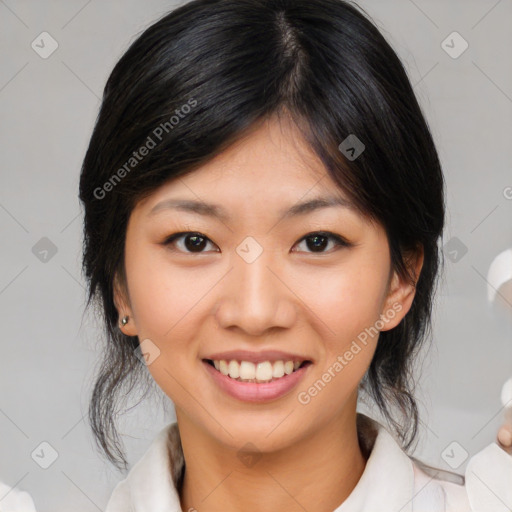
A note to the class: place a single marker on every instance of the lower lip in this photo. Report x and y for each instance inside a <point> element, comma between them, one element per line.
<point>257,392</point>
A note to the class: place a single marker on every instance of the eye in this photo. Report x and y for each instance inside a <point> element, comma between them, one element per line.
<point>317,242</point>
<point>193,242</point>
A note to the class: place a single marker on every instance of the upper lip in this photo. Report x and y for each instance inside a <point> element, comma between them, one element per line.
<point>257,357</point>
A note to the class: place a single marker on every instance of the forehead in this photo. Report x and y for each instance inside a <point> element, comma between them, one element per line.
<point>271,164</point>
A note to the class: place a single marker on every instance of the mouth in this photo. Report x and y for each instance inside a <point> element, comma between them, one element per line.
<point>268,376</point>
<point>256,372</point>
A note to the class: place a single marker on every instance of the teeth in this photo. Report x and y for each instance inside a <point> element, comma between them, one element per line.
<point>278,369</point>
<point>264,371</point>
<point>247,370</point>
<point>223,367</point>
<point>234,369</point>
<point>260,372</point>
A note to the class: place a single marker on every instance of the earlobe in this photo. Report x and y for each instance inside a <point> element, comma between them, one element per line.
<point>401,291</point>
<point>121,302</point>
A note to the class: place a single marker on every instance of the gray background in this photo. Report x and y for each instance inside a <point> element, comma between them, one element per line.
<point>49,350</point>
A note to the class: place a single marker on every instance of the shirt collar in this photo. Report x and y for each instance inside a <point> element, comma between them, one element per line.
<point>387,482</point>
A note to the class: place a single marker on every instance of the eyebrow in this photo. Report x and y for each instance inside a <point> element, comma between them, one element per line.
<point>217,211</point>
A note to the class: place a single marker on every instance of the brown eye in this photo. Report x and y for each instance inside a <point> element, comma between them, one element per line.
<point>317,242</point>
<point>188,241</point>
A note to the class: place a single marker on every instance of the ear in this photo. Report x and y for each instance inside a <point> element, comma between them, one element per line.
<point>401,291</point>
<point>122,303</point>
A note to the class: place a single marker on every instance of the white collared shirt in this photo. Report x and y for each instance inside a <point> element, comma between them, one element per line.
<point>392,481</point>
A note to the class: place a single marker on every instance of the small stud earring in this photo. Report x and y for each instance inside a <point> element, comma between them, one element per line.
<point>124,320</point>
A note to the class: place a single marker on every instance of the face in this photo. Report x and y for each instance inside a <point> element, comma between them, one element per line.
<point>256,281</point>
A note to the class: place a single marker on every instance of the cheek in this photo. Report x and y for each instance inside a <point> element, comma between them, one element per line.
<point>349,299</point>
<point>165,302</point>
<point>348,303</point>
<point>163,296</point>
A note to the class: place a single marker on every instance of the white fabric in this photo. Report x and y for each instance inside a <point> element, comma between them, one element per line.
<point>12,500</point>
<point>391,482</point>
<point>499,273</point>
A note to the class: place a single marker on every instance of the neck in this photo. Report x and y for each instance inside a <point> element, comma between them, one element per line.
<point>319,474</point>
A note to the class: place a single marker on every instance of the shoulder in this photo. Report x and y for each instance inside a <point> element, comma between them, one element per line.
<point>13,500</point>
<point>485,486</point>
<point>151,483</point>
<point>436,489</point>
<point>394,480</point>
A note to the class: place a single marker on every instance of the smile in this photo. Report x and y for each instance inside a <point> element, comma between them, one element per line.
<point>247,371</point>
<point>260,381</point>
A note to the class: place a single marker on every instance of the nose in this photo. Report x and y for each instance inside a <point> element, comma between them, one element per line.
<point>255,298</point>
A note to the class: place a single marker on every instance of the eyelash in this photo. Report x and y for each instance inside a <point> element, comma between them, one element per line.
<point>338,240</point>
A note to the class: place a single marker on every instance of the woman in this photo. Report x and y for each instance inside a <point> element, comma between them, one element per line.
<point>263,204</point>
